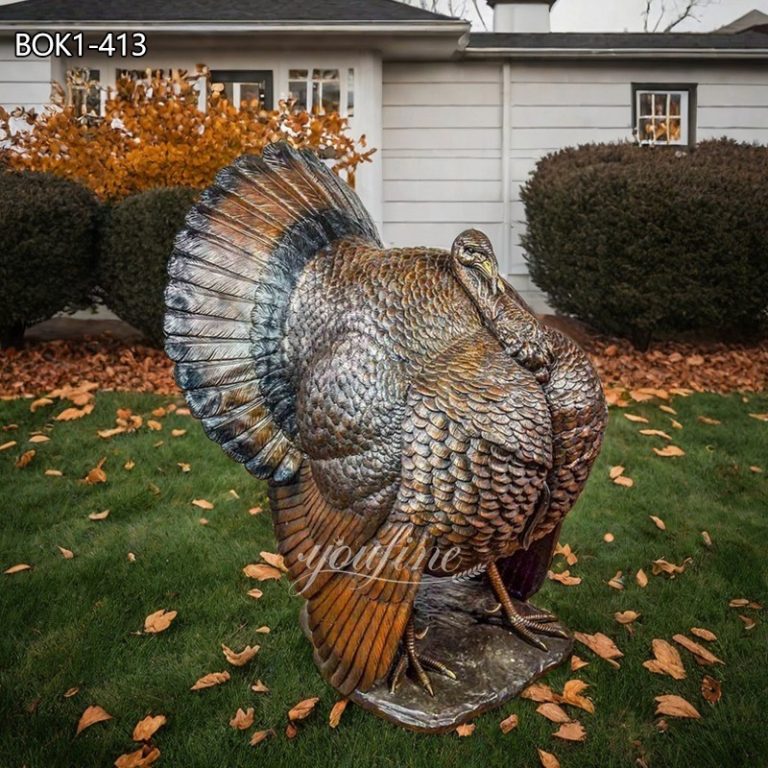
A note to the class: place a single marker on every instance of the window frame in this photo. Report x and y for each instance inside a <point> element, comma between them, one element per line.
<point>690,89</point>
<point>346,83</point>
<point>240,77</point>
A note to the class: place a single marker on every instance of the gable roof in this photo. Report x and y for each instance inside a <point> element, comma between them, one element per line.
<point>296,11</point>
<point>746,22</point>
<point>681,44</point>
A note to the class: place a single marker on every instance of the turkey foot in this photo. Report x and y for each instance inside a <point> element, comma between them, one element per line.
<point>524,625</point>
<point>411,659</point>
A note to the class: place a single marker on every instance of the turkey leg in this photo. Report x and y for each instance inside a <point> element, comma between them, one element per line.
<point>411,659</point>
<point>523,625</point>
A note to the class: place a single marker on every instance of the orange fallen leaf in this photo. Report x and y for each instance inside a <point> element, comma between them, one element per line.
<point>669,450</point>
<point>539,692</point>
<point>624,481</point>
<point>145,729</point>
<point>547,759</point>
<point>154,426</point>
<point>509,724</point>
<point>467,729</point>
<point>159,621</point>
<point>655,433</point>
<point>635,419</point>
<point>263,630</point>
<point>106,434</point>
<point>72,414</point>
<point>564,550</point>
<point>242,720</point>
<point>183,466</point>
<point>91,716</point>
<point>41,402</point>
<point>708,420</point>
<point>67,554</point>
<point>208,681</point>
<point>706,538</point>
<point>609,538</point>
<point>749,622</point>
<point>759,416</point>
<point>70,692</point>
<point>241,658</point>
<point>667,568</point>
<point>668,409</point>
<point>275,560</point>
<point>6,446</point>
<point>97,474</point>
<point>259,687</point>
<point>262,572</point>
<point>255,511</point>
<point>553,712</point>
<point>602,645</point>
<point>753,468</point>
<point>202,503</point>
<point>255,593</point>
<point>141,758</point>
<point>617,582</point>
<point>572,691</point>
<point>738,602</point>
<point>303,709</point>
<point>704,634</point>
<point>99,515</point>
<point>53,473</point>
<point>703,656</point>
<point>25,458</point>
<point>573,731</point>
<point>615,472</point>
<point>18,568</point>
<point>641,579</point>
<point>666,660</point>
<point>578,663</point>
<point>564,578</point>
<point>626,617</point>
<point>131,557</point>
<point>39,439</point>
<point>178,432</point>
<point>259,736</point>
<point>675,706</point>
<point>658,522</point>
<point>675,423</point>
<point>710,689</point>
<point>336,712</point>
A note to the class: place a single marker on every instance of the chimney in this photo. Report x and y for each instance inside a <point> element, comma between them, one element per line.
<point>521,15</point>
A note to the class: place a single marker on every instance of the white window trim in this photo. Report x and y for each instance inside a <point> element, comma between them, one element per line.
<point>343,71</point>
<point>684,115</point>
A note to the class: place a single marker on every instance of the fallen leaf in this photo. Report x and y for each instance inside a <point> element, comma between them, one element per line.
<point>159,621</point>
<point>72,414</point>
<point>655,433</point>
<point>641,579</point>
<point>706,538</point>
<point>183,412</point>
<point>578,663</point>
<point>675,423</point>
<point>572,691</point>
<point>276,561</point>
<point>96,475</point>
<point>547,759</point>
<point>658,522</point>
<point>699,651</point>
<point>154,426</point>
<point>617,582</point>
<point>242,720</point>
<point>106,434</point>
<point>738,602</point>
<point>668,409</point>
<point>704,634</point>
<point>665,567</point>
<point>91,716</point>
<point>675,706</point>
<point>753,468</point>
<point>129,465</point>
<point>615,472</point>
<point>263,630</point>
<point>131,557</point>
<point>573,731</point>
<point>146,728</point>
<point>539,692</point>
<point>710,689</point>
<point>39,439</point>
<point>141,758</point>
<point>53,473</point>
<point>564,578</point>
<point>67,554</point>
<point>233,493</point>
<point>202,503</point>
<point>749,622</point>
<point>602,645</point>
<point>99,515</point>
<point>183,466</point>
<point>259,687</point>
<point>553,712</point>
<point>635,419</point>
<point>509,723</point>
<point>178,432</point>
<point>203,521</point>
<point>626,617</point>
<point>255,593</point>
<point>255,511</point>
<point>669,450</point>
<point>336,712</point>
<point>609,538</point>
<point>208,681</point>
<point>666,660</point>
<point>25,458</point>
<point>710,421</point>
<point>467,729</point>
<point>159,412</point>
<point>6,446</point>
<point>262,572</point>
<point>241,658</point>
<point>18,568</point>
<point>291,731</point>
<point>303,709</point>
<point>259,736</point>
<point>41,402</point>
<point>564,550</point>
<point>70,692</point>
<point>624,481</point>
<point>759,416</point>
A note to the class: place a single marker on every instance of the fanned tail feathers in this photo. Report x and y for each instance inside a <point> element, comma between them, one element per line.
<point>232,272</point>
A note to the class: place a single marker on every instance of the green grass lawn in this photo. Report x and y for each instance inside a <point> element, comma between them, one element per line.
<point>74,623</point>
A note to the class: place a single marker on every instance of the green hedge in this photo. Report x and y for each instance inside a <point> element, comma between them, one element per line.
<point>652,242</point>
<point>136,244</point>
<point>47,247</point>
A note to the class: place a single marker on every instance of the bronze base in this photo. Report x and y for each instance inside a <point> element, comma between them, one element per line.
<point>492,664</point>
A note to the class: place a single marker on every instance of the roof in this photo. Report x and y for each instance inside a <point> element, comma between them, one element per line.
<point>563,43</point>
<point>308,11</point>
<point>753,20</point>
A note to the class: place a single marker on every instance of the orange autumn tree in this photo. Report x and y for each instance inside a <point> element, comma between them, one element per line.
<point>153,134</point>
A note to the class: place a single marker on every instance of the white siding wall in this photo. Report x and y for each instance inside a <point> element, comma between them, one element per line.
<point>24,83</point>
<point>442,135</point>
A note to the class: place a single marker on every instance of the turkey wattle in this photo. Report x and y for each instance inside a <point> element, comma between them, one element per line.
<point>404,404</point>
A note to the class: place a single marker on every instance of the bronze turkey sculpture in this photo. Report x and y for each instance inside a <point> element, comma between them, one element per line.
<point>405,405</point>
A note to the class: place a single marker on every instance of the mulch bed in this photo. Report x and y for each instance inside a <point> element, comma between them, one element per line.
<point>121,366</point>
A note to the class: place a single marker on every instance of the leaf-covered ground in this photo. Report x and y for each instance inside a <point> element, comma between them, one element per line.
<point>76,625</point>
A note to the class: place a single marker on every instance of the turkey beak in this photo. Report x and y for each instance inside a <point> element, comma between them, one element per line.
<point>489,269</point>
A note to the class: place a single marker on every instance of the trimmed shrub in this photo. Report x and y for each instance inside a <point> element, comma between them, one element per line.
<point>136,245</point>
<point>47,249</point>
<point>649,242</point>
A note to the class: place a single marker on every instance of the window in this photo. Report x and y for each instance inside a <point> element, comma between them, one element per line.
<point>243,85</point>
<point>664,114</point>
<point>322,90</point>
<point>84,91</point>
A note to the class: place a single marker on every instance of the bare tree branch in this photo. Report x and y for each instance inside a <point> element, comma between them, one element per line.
<point>660,10</point>
<point>688,13</point>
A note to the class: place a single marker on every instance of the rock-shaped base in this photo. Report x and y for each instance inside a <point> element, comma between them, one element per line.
<point>491,662</point>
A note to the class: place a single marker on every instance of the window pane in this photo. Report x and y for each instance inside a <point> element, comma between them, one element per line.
<point>675,101</point>
<point>331,97</point>
<point>252,92</point>
<point>646,104</point>
<point>659,103</point>
<point>647,132</point>
<point>297,74</point>
<point>675,129</point>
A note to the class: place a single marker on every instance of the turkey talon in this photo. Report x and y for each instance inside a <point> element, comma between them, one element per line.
<point>411,658</point>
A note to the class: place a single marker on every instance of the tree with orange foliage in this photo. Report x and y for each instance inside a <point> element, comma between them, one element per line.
<point>153,134</point>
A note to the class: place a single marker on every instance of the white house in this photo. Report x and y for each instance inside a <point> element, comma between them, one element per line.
<point>459,118</point>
